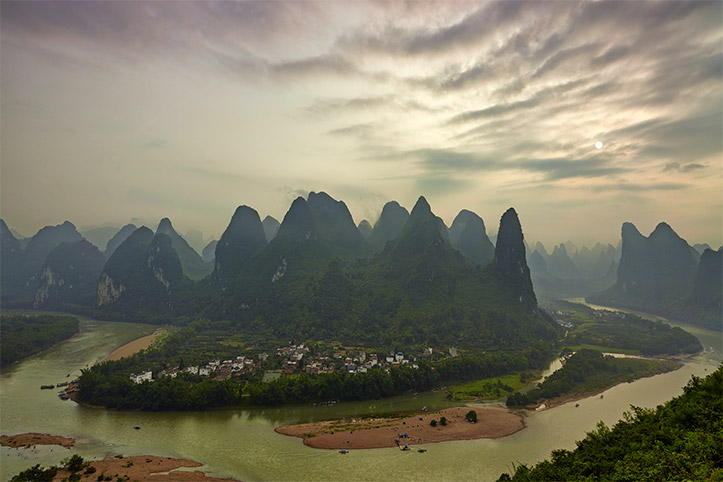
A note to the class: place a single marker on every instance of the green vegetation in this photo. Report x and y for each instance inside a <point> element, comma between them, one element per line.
<point>619,332</point>
<point>680,440</point>
<point>22,336</point>
<point>471,416</point>
<point>74,464</point>
<point>108,383</point>
<point>589,371</point>
<point>489,388</point>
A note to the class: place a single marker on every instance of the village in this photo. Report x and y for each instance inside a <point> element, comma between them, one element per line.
<point>294,358</point>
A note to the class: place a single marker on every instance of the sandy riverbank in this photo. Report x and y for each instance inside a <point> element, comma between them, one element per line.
<point>381,432</point>
<point>135,346</point>
<point>29,439</point>
<point>140,468</point>
<point>143,468</point>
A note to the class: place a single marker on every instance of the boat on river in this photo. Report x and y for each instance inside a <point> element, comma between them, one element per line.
<point>47,387</point>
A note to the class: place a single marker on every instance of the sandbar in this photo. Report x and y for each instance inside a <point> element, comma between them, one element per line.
<point>30,439</point>
<point>381,432</point>
<point>135,346</point>
<point>142,468</point>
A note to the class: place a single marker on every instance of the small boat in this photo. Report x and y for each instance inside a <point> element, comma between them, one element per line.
<point>421,451</point>
<point>137,427</point>
<point>601,396</point>
<point>62,384</point>
<point>343,451</point>
<point>47,387</point>
<point>577,405</point>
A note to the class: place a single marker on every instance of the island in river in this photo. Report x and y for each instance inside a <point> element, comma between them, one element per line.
<point>381,432</point>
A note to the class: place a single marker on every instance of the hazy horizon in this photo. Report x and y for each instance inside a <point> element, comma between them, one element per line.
<point>185,110</point>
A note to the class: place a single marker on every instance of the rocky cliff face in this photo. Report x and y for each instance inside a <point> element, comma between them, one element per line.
<point>509,262</point>
<point>69,276</point>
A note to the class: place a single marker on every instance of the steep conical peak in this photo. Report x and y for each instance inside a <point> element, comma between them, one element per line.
<point>141,235</point>
<point>390,223</point>
<point>118,238</point>
<point>298,220</point>
<point>541,248</point>
<point>334,222</point>
<point>559,250</point>
<point>68,225</point>
<point>421,208</point>
<point>243,237</point>
<point>510,263</point>
<point>629,231</point>
<point>663,232</point>
<point>244,219</point>
<point>469,235</point>
<point>165,226</point>
<point>460,223</point>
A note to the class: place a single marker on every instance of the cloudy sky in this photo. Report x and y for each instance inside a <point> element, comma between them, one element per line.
<point>114,110</point>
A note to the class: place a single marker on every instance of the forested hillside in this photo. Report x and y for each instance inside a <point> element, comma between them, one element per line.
<point>680,440</point>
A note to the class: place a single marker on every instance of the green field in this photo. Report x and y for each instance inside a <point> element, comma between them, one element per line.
<point>489,388</point>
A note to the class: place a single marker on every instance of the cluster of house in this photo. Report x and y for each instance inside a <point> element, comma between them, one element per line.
<point>220,370</point>
<point>294,357</point>
<point>358,362</point>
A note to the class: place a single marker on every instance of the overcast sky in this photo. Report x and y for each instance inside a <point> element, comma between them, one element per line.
<point>115,110</point>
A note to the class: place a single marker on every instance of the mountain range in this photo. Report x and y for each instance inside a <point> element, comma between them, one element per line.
<point>663,274</point>
<point>408,278</point>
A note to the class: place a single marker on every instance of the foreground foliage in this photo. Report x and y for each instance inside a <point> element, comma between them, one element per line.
<point>680,440</point>
<point>22,336</point>
<point>588,371</point>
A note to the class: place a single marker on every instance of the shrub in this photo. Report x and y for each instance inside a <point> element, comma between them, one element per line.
<point>471,416</point>
<point>433,423</point>
<point>443,421</point>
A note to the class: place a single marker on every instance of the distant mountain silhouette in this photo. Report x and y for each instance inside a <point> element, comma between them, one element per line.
<point>209,252</point>
<point>365,228</point>
<point>118,238</point>
<point>389,225</point>
<point>469,235</point>
<point>271,227</point>
<point>99,236</point>
<point>658,274</point>
<point>193,265</point>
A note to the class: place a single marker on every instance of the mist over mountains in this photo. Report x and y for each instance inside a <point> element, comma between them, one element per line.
<point>317,273</point>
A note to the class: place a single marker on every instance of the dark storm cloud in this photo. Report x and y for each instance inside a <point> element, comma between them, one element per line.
<point>552,169</point>
<point>639,187</point>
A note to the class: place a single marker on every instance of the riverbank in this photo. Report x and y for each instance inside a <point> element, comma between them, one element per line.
<point>137,468</point>
<point>384,432</point>
<point>30,439</point>
<point>135,346</point>
<point>574,397</point>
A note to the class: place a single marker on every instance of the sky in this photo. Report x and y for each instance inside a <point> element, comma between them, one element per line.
<point>581,115</point>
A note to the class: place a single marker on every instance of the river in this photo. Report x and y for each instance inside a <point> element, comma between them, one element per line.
<point>242,443</point>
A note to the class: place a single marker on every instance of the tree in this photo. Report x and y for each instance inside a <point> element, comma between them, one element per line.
<point>471,416</point>
<point>443,421</point>
<point>433,423</point>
